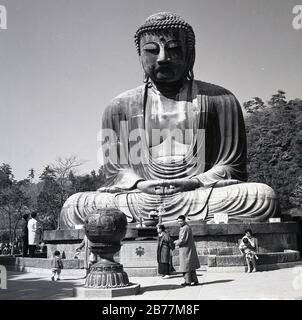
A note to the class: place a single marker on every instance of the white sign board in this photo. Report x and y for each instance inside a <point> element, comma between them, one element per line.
<point>274,220</point>
<point>221,218</point>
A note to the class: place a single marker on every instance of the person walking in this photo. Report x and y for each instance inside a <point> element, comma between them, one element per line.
<point>90,257</point>
<point>57,265</point>
<point>188,258</point>
<point>24,235</point>
<point>164,248</point>
<point>33,234</point>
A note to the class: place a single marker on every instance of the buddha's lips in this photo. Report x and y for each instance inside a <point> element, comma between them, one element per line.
<point>164,70</point>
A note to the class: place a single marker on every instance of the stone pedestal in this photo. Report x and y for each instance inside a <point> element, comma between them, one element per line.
<point>104,230</point>
<point>90,293</point>
<point>104,275</point>
<point>217,245</point>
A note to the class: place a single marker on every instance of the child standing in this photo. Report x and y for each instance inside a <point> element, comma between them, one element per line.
<point>57,265</point>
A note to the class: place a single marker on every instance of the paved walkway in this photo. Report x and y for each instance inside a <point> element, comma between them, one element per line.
<point>277,284</point>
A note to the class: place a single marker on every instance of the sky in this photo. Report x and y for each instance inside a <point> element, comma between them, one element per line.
<point>63,61</point>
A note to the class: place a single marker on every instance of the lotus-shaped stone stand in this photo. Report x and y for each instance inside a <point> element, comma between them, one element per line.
<point>151,221</point>
<point>105,229</point>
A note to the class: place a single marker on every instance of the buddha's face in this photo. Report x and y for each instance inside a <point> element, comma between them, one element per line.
<point>164,56</point>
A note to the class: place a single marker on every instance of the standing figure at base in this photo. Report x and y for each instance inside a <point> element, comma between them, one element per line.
<point>188,258</point>
<point>24,235</point>
<point>90,257</point>
<point>249,247</point>
<point>164,255</point>
<point>34,234</point>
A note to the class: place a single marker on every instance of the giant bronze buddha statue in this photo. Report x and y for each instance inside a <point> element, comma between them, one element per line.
<point>173,142</point>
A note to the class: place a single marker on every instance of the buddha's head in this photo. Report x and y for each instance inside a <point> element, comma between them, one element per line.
<point>166,46</point>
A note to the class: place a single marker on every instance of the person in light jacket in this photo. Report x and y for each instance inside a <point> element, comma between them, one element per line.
<point>188,258</point>
<point>34,234</point>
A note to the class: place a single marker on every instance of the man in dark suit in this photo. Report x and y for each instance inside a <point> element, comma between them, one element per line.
<point>25,236</point>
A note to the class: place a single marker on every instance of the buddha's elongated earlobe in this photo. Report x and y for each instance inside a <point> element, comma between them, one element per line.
<point>146,78</point>
<point>190,75</point>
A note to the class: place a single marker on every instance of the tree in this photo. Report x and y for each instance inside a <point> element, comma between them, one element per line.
<point>62,169</point>
<point>13,200</point>
<point>277,99</point>
<point>254,105</point>
<point>6,175</point>
<point>88,182</point>
<point>274,135</point>
<point>31,175</point>
<point>296,195</point>
<point>49,199</point>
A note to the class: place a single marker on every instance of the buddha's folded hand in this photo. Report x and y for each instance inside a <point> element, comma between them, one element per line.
<point>112,189</point>
<point>162,187</point>
<point>185,184</point>
<point>151,186</point>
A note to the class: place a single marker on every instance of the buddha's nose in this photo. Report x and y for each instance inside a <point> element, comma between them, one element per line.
<point>163,56</point>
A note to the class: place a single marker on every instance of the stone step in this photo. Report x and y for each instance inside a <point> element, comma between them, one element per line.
<point>210,239</point>
<point>264,259</point>
<point>42,263</point>
<point>263,267</point>
<point>75,274</point>
<point>206,260</point>
<point>219,251</point>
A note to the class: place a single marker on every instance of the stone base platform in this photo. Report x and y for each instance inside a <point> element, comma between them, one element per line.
<point>90,293</point>
<point>217,247</point>
<point>236,263</point>
<point>217,239</point>
<point>43,263</point>
<point>77,274</point>
<point>260,268</point>
<point>209,260</point>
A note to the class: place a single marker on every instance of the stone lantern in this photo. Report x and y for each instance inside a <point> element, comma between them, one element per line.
<point>105,229</point>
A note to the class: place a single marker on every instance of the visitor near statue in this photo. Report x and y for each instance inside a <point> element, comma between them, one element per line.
<point>173,141</point>
<point>57,266</point>
<point>165,247</point>
<point>188,258</point>
<point>34,234</point>
<point>249,248</point>
<point>24,235</point>
<point>90,257</point>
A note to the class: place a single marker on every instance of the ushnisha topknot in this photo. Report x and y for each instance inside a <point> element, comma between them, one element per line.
<point>164,21</point>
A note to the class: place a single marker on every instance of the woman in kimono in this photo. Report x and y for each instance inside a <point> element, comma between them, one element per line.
<point>164,255</point>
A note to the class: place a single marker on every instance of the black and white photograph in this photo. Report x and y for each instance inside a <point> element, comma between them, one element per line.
<point>150,153</point>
